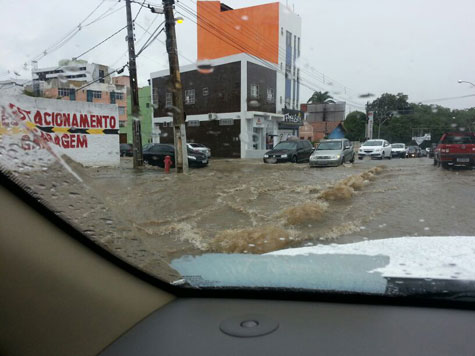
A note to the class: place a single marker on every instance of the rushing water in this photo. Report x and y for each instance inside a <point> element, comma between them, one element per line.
<point>245,206</point>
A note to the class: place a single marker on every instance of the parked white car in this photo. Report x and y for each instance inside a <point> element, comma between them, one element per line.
<point>375,149</point>
<point>398,150</point>
<point>198,147</point>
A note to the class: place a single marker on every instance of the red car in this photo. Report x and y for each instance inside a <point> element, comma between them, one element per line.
<point>455,149</point>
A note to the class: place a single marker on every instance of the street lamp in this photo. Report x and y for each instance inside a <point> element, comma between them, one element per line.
<point>464,81</point>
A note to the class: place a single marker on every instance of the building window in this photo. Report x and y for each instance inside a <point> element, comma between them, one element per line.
<point>288,39</point>
<point>155,99</point>
<point>93,94</point>
<point>254,91</point>
<point>281,31</point>
<point>281,99</point>
<point>119,96</point>
<point>122,123</point>
<point>205,92</point>
<point>121,110</point>
<point>101,76</point>
<point>270,95</point>
<point>168,100</point>
<point>190,96</point>
<point>298,47</point>
<point>147,105</point>
<point>193,123</point>
<point>63,91</point>
<point>226,122</point>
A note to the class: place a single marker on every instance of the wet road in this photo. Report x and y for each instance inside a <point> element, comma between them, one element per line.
<point>245,206</point>
<point>250,207</point>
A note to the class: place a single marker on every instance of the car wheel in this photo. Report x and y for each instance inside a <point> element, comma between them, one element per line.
<point>352,160</point>
<point>293,159</point>
<point>360,158</point>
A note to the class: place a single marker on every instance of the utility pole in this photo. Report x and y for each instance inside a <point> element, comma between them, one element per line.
<point>324,118</point>
<point>179,131</point>
<point>136,129</point>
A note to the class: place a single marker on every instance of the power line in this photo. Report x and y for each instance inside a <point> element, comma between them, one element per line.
<point>106,14</point>
<point>150,39</point>
<point>282,53</point>
<point>234,42</point>
<point>447,99</point>
<point>138,13</point>
<point>67,37</point>
<point>97,45</point>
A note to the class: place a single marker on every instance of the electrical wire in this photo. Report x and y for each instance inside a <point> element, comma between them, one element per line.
<point>282,52</point>
<point>234,42</point>
<point>447,99</point>
<point>138,13</point>
<point>97,45</point>
<point>67,37</point>
<point>151,38</point>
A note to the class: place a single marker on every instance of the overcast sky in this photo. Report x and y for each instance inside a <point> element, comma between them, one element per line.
<point>418,47</point>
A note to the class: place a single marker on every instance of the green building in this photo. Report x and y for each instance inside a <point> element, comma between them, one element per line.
<point>146,111</point>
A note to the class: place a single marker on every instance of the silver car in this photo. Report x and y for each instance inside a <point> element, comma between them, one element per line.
<point>332,153</point>
<point>198,147</point>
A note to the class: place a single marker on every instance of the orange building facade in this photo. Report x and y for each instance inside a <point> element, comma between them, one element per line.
<point>271,32</point>
<point>223,31</point>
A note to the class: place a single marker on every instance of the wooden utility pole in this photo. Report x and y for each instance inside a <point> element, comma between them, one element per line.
<point>179,131</point>
<point>136,129</point>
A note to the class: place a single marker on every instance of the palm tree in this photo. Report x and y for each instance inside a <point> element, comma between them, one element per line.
<point>320,97</point>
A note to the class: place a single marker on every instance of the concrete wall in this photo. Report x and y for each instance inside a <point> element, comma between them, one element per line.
<point>49,128</point>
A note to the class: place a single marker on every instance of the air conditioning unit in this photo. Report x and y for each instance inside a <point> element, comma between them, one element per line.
<point>212,116</point>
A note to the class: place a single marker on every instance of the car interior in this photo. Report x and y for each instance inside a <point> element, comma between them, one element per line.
<point>61,294</point>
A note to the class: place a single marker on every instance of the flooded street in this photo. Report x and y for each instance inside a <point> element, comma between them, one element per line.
<point>245,206</point>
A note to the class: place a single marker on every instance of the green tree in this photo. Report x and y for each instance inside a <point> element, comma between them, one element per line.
<point>386,107</point>
<point>355,126</point>
<point>319,97</point>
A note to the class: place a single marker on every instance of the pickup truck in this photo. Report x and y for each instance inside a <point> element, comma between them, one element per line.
<point>455,149</point>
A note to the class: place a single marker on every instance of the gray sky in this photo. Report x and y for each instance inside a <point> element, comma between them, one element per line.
<point>418,47</point>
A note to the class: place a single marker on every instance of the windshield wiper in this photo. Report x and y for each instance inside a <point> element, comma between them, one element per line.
<point>444,289</point>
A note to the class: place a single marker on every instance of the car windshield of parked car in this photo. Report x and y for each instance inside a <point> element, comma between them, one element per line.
<point>373,143</point>
<point>251,86</point>
<point>331,145</point>
<point>286,146</point>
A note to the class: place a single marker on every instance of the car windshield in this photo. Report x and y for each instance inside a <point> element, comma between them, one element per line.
<point>373,143</point>
<point>286,146</point>
<point>330,145</point>
<point>258,83</point>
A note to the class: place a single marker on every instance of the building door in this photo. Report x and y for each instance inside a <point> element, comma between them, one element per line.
<point>258,138</point>
<point>123,138</point>
<point>89,96</point>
